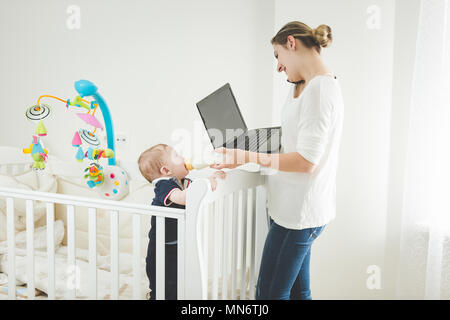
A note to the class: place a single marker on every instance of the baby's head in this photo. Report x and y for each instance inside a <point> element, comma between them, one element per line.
<point>162,160</point>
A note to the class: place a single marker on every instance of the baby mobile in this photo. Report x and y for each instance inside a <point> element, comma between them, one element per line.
<point>110,181</point>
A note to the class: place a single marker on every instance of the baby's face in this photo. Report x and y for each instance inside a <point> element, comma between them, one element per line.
<point>175,163</point>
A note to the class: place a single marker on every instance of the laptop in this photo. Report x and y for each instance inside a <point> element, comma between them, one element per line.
<point>226,127</point>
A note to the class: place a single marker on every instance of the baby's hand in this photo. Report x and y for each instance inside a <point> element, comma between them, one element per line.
<point>221,174</point>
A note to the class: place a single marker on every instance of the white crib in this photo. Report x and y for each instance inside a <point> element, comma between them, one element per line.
<point>220,236</point>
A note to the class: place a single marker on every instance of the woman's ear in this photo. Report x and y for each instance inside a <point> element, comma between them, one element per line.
<point>291,43</point>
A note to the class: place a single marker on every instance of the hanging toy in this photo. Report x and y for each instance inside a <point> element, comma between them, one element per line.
<point>110,181</point>
<point>77,102</point>
<point>95,175</point>
<point>90,120</point>
<point>38,153</point>
<point>38,112</point>
<point>89,137</point>
<point>80,155</point>
<point>96,154</point>
<point>41,131</point>
<point>76,141</point>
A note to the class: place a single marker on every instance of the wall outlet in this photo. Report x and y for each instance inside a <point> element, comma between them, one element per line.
<point>121,139</point>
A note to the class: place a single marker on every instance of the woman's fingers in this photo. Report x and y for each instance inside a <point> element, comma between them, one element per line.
<point>220,166</point>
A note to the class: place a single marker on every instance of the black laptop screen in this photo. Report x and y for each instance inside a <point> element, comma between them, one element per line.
<point>220,111</point>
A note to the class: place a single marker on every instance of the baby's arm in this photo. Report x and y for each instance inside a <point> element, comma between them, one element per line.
<point>178,196</point>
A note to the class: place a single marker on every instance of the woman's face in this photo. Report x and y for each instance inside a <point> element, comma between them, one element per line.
<point>290,58</point>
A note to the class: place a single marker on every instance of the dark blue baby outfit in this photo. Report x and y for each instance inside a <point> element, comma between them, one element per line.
<point>163,188</point>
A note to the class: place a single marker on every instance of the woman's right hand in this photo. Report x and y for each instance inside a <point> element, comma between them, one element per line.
<point>232,158</point>
<point>220,166</point>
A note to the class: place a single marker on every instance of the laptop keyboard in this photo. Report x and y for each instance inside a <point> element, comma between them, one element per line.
<point>253,140</point>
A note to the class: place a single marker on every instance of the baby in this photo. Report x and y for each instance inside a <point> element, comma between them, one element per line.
<point>165,169</point>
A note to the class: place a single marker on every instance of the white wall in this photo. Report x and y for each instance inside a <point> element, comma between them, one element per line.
<point>152,61</point>
<point>362,59</point>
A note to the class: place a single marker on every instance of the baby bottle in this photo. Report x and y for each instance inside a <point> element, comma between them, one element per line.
<point>198,164</point>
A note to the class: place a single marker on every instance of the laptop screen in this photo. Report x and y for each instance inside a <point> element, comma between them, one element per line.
<point>220,111</point>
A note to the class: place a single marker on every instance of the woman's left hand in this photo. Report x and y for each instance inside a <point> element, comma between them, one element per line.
<point>231,158</point>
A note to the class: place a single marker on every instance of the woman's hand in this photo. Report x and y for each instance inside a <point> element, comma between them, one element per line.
<point>221,174</point>
<point>231,158</point>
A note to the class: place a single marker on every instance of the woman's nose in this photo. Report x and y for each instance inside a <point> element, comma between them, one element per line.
<point>279,67</point>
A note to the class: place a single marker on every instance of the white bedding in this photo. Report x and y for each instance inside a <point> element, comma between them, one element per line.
<point>30,180</point>
<point>64,276</point>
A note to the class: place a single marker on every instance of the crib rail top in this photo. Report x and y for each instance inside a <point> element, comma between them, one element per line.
<point>235,181</point>
<point>111,205</point>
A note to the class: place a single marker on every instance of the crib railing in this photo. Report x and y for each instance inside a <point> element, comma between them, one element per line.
<point>228,228</point>
<point>114,208</point>
<point>220,238</point>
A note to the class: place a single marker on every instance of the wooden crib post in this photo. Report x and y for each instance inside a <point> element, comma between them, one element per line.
<point>195,281</point>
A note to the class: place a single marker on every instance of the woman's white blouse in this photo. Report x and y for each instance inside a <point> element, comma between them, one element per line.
<point>312,126</point>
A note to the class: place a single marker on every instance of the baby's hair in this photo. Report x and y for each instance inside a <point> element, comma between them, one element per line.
<point>151,161</point>
<point>320,37</point>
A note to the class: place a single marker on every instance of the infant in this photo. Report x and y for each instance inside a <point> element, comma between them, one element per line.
<point>166,170</point>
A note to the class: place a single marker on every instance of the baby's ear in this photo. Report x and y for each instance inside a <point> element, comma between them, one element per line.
<point>165,171</point>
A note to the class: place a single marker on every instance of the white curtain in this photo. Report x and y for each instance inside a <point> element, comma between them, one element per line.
<point>424,268</point>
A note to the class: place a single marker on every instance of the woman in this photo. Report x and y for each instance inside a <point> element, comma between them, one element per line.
<point>302,192</point>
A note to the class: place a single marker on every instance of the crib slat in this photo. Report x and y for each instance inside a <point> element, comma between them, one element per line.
<point>92,212</point>
<point>11,248</point>
<point>225,235</point>
<point>181,258</point>
<point>242,295</point>
<point>51,250</point>
<point>71,251</point>
<point>137,256</point>
<point>160,258</point>
<point>234,251</point>
<point>114,242</point>
<point>30,248</point>
<point>252,244</point>
<point>262,225</point>
<point>205,240</point>
<point>216,246</point>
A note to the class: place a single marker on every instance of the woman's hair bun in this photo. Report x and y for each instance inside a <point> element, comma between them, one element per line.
<point>322,34</point>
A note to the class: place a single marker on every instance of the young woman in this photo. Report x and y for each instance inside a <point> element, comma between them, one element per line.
<point>302,192</point>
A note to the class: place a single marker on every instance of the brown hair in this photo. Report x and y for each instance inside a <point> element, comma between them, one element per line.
<point>320,37</point>
<point>151,161</point>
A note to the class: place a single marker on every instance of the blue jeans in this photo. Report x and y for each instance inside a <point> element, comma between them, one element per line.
<point>284,271</point>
